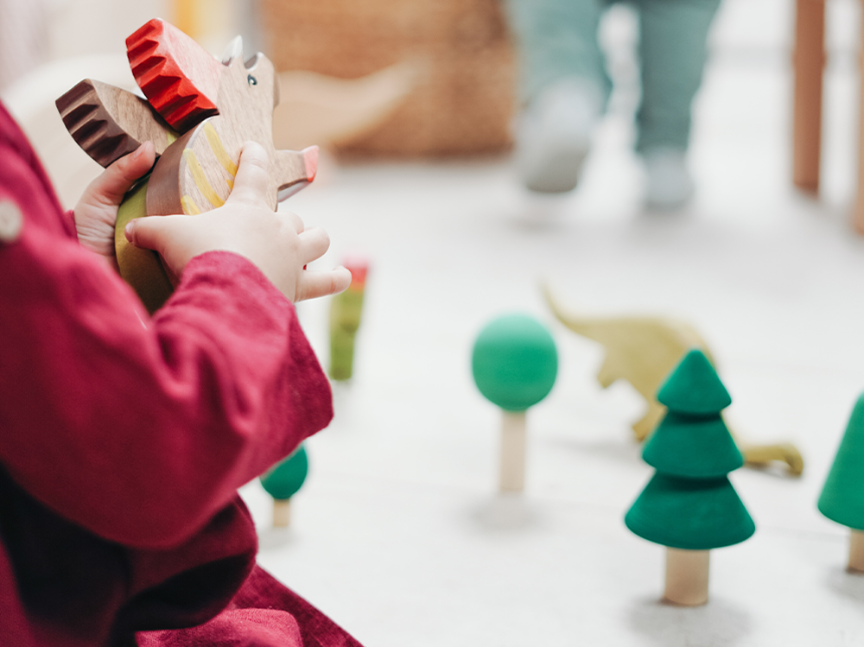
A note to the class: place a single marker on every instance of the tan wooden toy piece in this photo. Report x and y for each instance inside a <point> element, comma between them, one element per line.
<point>514,441</point>
<point>687,577</point>
<point>643,351</point>
<point>196,174</point>
<point>281,513</point>
<point>856,551</point>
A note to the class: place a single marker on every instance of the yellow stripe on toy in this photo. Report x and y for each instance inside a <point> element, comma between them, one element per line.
<point>218,149</point>
<point>189,206</point>
<point>200,179</point>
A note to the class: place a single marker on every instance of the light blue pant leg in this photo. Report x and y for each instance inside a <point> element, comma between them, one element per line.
<point>673,52</point>
<point>557,39</point>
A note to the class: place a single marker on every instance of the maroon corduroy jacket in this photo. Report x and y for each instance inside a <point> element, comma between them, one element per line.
<point>124,438</point>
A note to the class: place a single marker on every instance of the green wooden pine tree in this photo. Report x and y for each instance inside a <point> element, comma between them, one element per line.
<point>842,498</point>
<point>689,504</point>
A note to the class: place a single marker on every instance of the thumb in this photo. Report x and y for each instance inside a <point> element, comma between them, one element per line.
<point>151,232</point>
<point>253,175</point>
<point>110,187</point>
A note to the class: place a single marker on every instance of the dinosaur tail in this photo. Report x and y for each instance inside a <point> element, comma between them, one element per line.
<point>580,325</point>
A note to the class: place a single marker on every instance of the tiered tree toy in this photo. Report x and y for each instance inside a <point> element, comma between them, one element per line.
<point>689,505</point>
<point>515,363</point>
<point>345,312</point>
<point>842,498</point>
<point>283,481</point>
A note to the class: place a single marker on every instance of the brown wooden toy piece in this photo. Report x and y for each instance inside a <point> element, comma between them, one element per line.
<point>108,122</point>
<point>199,113</point>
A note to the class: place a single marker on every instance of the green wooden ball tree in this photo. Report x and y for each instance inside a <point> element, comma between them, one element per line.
<point>689,505</point>
<point>514,362</point>
<point>842,498</point>
<point>283,481</point>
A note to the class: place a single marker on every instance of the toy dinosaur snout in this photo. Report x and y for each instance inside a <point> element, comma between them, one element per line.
<point>310,157</point>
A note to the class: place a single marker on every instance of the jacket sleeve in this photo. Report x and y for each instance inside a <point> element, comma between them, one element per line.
<point>140,429</point>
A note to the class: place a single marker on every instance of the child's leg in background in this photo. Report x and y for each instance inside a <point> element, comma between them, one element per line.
<point>563,88</point>
<point>557,39</point>
<point>673,51</point>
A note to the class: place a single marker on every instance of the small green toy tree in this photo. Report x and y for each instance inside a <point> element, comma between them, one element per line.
<point>842,498</point>
<point>689,505</point>
<point>345,313</point>
<point>514,363</point>
<point>283,481</point>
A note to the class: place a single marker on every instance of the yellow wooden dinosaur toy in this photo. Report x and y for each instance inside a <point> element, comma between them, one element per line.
<point>642,351</point>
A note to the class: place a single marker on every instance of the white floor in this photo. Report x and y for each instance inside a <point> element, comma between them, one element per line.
<point>399,534</point>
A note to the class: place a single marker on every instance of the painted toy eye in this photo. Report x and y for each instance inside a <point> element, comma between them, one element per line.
<point>251,80</point>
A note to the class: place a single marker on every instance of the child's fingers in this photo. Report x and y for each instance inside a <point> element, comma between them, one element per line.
<point>321,284</point>
<point>110,187</point>
<point>295,220</point>
<point>151,233</point>
<point>314,243</point>
<point>250,184</point>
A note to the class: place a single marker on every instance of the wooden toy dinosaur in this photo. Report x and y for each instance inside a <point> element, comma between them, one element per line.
<point>643,351</point>
<point>198,113</point>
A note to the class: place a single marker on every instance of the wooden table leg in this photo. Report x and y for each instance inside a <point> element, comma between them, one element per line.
<point>858,217</point>
<point>809,62</point>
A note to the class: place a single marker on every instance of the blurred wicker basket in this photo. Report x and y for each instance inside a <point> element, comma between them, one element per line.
<point>463,99</point>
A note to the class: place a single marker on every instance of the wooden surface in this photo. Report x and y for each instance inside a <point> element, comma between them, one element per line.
<point>281,513</point>
<point>809,63</point>
<point>858,218</point>
<point>511,475</point>
<point>140,268</point>
<point>687,577</point>
<point>108,122</point>
<point>856,551</point>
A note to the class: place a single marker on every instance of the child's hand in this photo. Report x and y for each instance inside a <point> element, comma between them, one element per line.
<point>277,243</point>
<point>96,211</point>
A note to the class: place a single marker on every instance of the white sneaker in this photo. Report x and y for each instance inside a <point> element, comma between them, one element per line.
<point>553,135</point>
<point>669,184</point>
